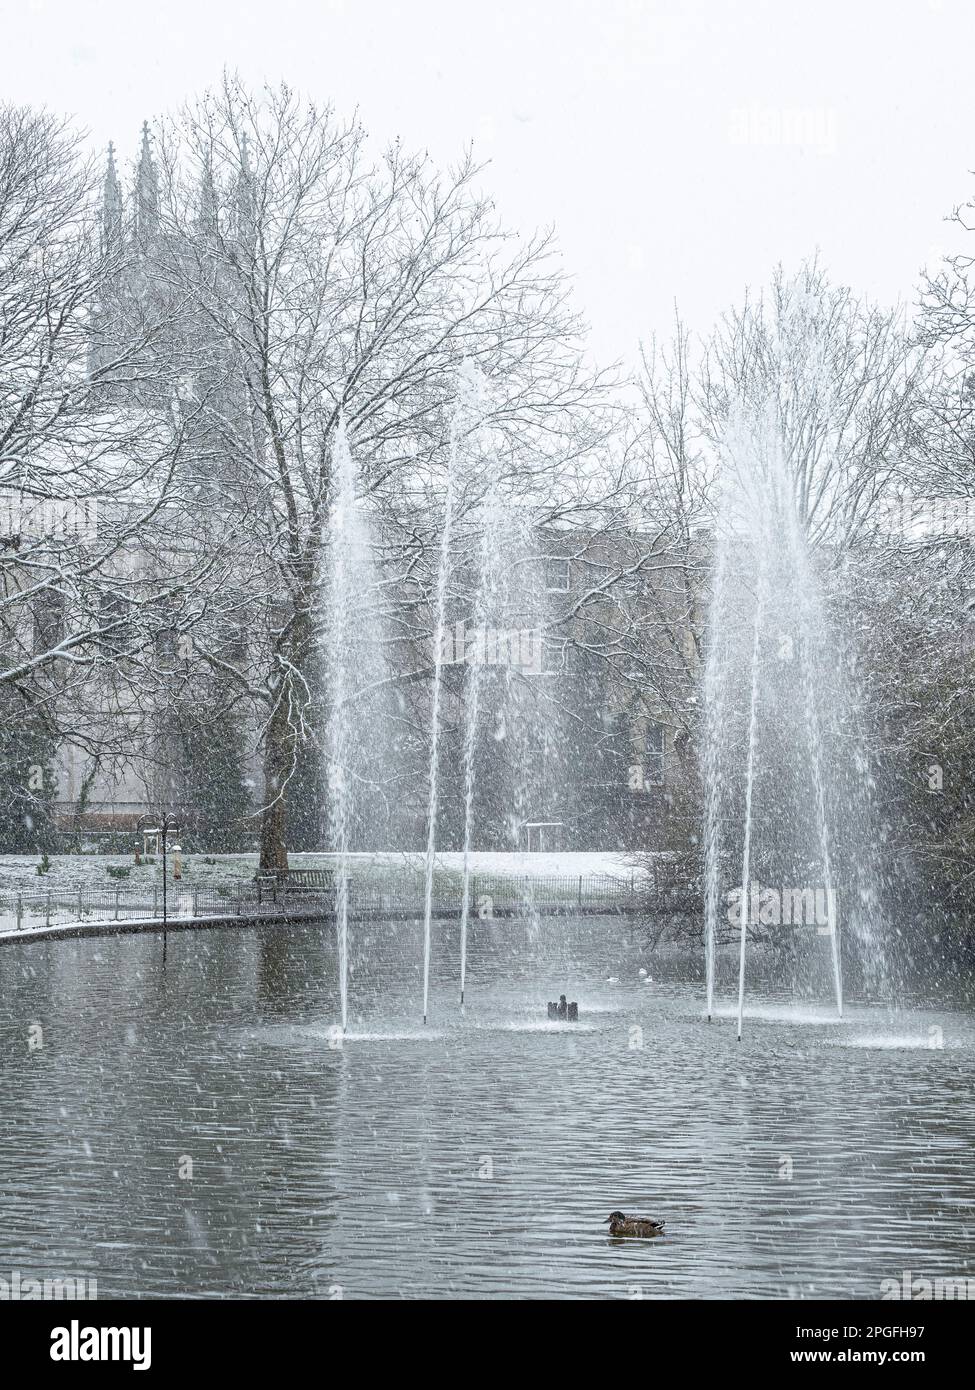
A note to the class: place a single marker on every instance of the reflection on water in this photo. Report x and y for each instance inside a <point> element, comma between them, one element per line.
<point>477,1158</point>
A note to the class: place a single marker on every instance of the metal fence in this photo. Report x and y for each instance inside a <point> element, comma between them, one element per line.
<point>388,891</point>
<point>579,892</point>
<point>114,903</point>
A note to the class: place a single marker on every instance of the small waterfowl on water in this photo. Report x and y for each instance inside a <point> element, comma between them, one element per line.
<point>640,1226</point>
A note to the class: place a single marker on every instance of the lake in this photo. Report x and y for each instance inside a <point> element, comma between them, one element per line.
<point>178,1119</point>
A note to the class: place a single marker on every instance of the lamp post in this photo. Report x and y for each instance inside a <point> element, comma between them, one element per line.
<point>162,826</point>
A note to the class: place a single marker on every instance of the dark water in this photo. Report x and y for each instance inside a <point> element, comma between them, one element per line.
<point>474,1160</point>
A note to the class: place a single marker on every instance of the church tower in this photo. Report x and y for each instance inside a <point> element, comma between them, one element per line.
<point>146,227</point>
<point>112,208</point>
<point>131,300</point>
<point>106,327</point>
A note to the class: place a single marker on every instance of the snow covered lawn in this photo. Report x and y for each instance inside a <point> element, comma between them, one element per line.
<point>520,864</point>
<point>69,872</point>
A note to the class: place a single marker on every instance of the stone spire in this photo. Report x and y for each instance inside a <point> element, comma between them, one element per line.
<point>146,193</point>
<point>103,341</point>
<point>111,203</point>
<point>245,196</point>
<point>209,218</point>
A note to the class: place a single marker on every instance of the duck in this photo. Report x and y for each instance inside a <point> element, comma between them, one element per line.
<point>641,1226</point>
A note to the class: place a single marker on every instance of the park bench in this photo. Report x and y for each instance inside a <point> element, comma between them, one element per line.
<point>311,881</point>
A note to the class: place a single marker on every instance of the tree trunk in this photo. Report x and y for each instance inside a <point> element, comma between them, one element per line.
<point>279,751</point>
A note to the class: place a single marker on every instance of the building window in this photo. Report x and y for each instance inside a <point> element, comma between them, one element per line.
<point>554,656</point>
<point>653,759</point>
<point>557,573</point>
<point>117,631</point>
<point>166,642</point>
<point>232,644</point>
<point>48,621</point>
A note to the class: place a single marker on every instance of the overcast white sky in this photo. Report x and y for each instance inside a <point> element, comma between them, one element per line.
<point>681,147</point>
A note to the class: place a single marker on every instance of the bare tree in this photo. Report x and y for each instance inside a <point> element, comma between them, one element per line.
<point>841,377</point>
<point>89,477</point>
<point>323,285</point>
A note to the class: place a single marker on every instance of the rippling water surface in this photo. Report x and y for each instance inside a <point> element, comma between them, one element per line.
<point>475,1158</point>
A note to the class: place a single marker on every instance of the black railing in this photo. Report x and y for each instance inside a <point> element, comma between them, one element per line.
<point>373,892</point>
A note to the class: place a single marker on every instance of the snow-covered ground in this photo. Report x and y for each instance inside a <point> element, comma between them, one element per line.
<point>69,872</point>
<point>516,864</point>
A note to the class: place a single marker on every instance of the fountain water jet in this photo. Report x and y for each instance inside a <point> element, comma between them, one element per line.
<point>749,789</point>
<point>485,607</point>
<point>715,687</point>
<point>353,662</point>
<point>465,415</point>
<point>785,796</point>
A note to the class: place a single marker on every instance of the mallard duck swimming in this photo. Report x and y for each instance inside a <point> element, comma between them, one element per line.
<point>642,1226</point>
